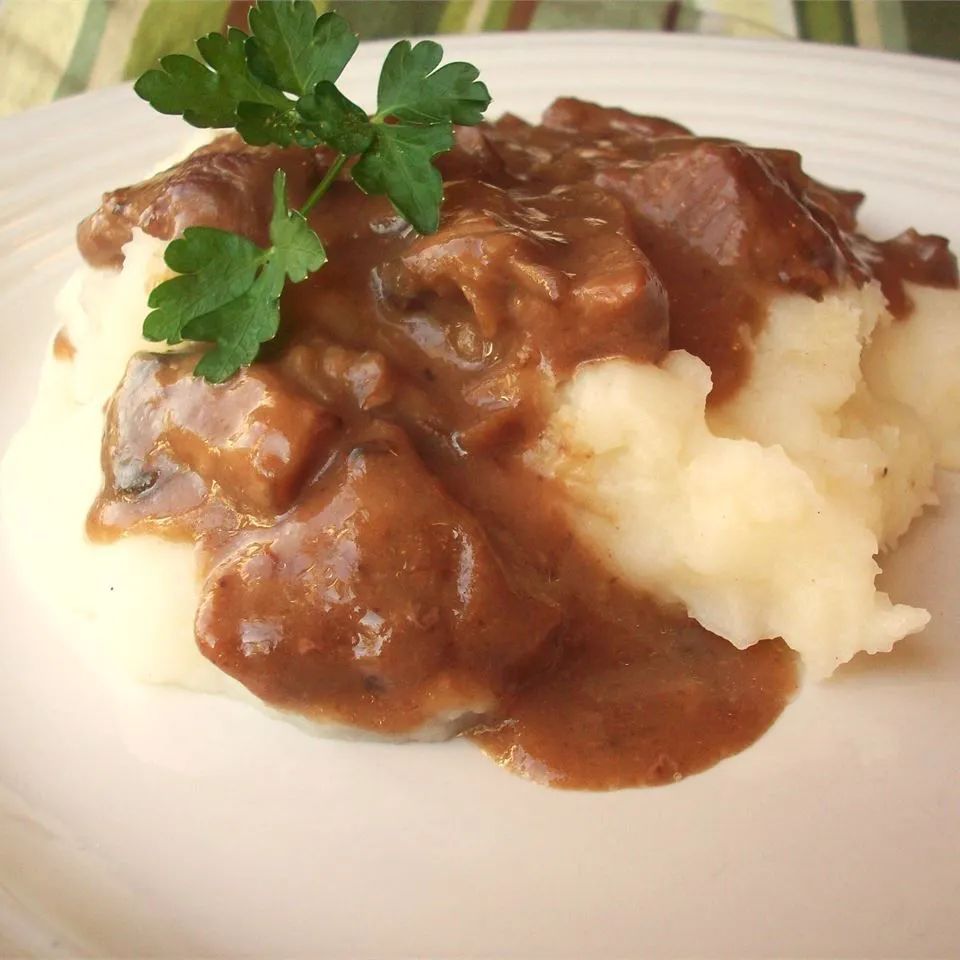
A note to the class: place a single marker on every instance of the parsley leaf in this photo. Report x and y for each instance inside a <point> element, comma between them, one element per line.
<point>277,86</point>
<point>229,289</point>
<point>398,164</point>
<point>208,95</point>
<point>423,102</point>
<point>293,49</point>
<point>215,266</point>
<point>238,328</point>
<point>296,250</point>
<point>337,121</point>
<point>412,89</point>
<point>262,124</point>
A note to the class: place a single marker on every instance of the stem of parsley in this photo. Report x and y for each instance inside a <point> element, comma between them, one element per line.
<point>324,185</point>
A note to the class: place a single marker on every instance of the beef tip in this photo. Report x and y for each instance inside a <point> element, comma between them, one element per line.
<point>583,117</point>
<point>750,209</point>
<point>558,271</point>
<point>472,157</point>
<point>840,206</point>
<point>738,206</point>
<point>377,601</point>
<point>359,378</point>
<point>173,441</point>
<point>225,184</point>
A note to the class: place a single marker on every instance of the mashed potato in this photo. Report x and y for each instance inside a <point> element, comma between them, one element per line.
<point>146,631</point>
<point>762,517</point>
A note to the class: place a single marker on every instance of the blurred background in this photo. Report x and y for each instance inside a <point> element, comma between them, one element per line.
<point>55,48</point>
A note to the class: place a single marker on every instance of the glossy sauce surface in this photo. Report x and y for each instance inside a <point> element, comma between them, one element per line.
<point>375,551</point>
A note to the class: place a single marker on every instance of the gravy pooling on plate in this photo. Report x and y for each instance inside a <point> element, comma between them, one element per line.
<point>375,550</point>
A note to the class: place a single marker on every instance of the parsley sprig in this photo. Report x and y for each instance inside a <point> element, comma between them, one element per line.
<point>277,85</point>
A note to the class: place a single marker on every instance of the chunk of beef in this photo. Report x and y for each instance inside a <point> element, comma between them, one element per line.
<point>377,601</point>
<point>173,440</point>
<point>558,271</point>
<point>590,119</point>
<point>225,184</point>
<point>472,157</point>
<point>745,207</point>
<point>338,376</point>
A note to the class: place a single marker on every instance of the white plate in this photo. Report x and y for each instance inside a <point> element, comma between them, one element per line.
<point>154,822</point>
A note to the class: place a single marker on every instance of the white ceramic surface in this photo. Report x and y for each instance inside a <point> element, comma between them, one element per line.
<point>150,822</point>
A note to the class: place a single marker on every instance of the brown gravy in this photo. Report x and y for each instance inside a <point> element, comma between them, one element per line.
<point>374,550</point>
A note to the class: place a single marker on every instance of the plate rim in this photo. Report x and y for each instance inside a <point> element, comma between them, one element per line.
<point>545,39</point>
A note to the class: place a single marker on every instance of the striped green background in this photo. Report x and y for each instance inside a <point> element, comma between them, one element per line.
<point>53,48</point>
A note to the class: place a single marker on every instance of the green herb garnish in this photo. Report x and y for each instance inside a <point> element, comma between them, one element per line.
<point>277,85</point>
